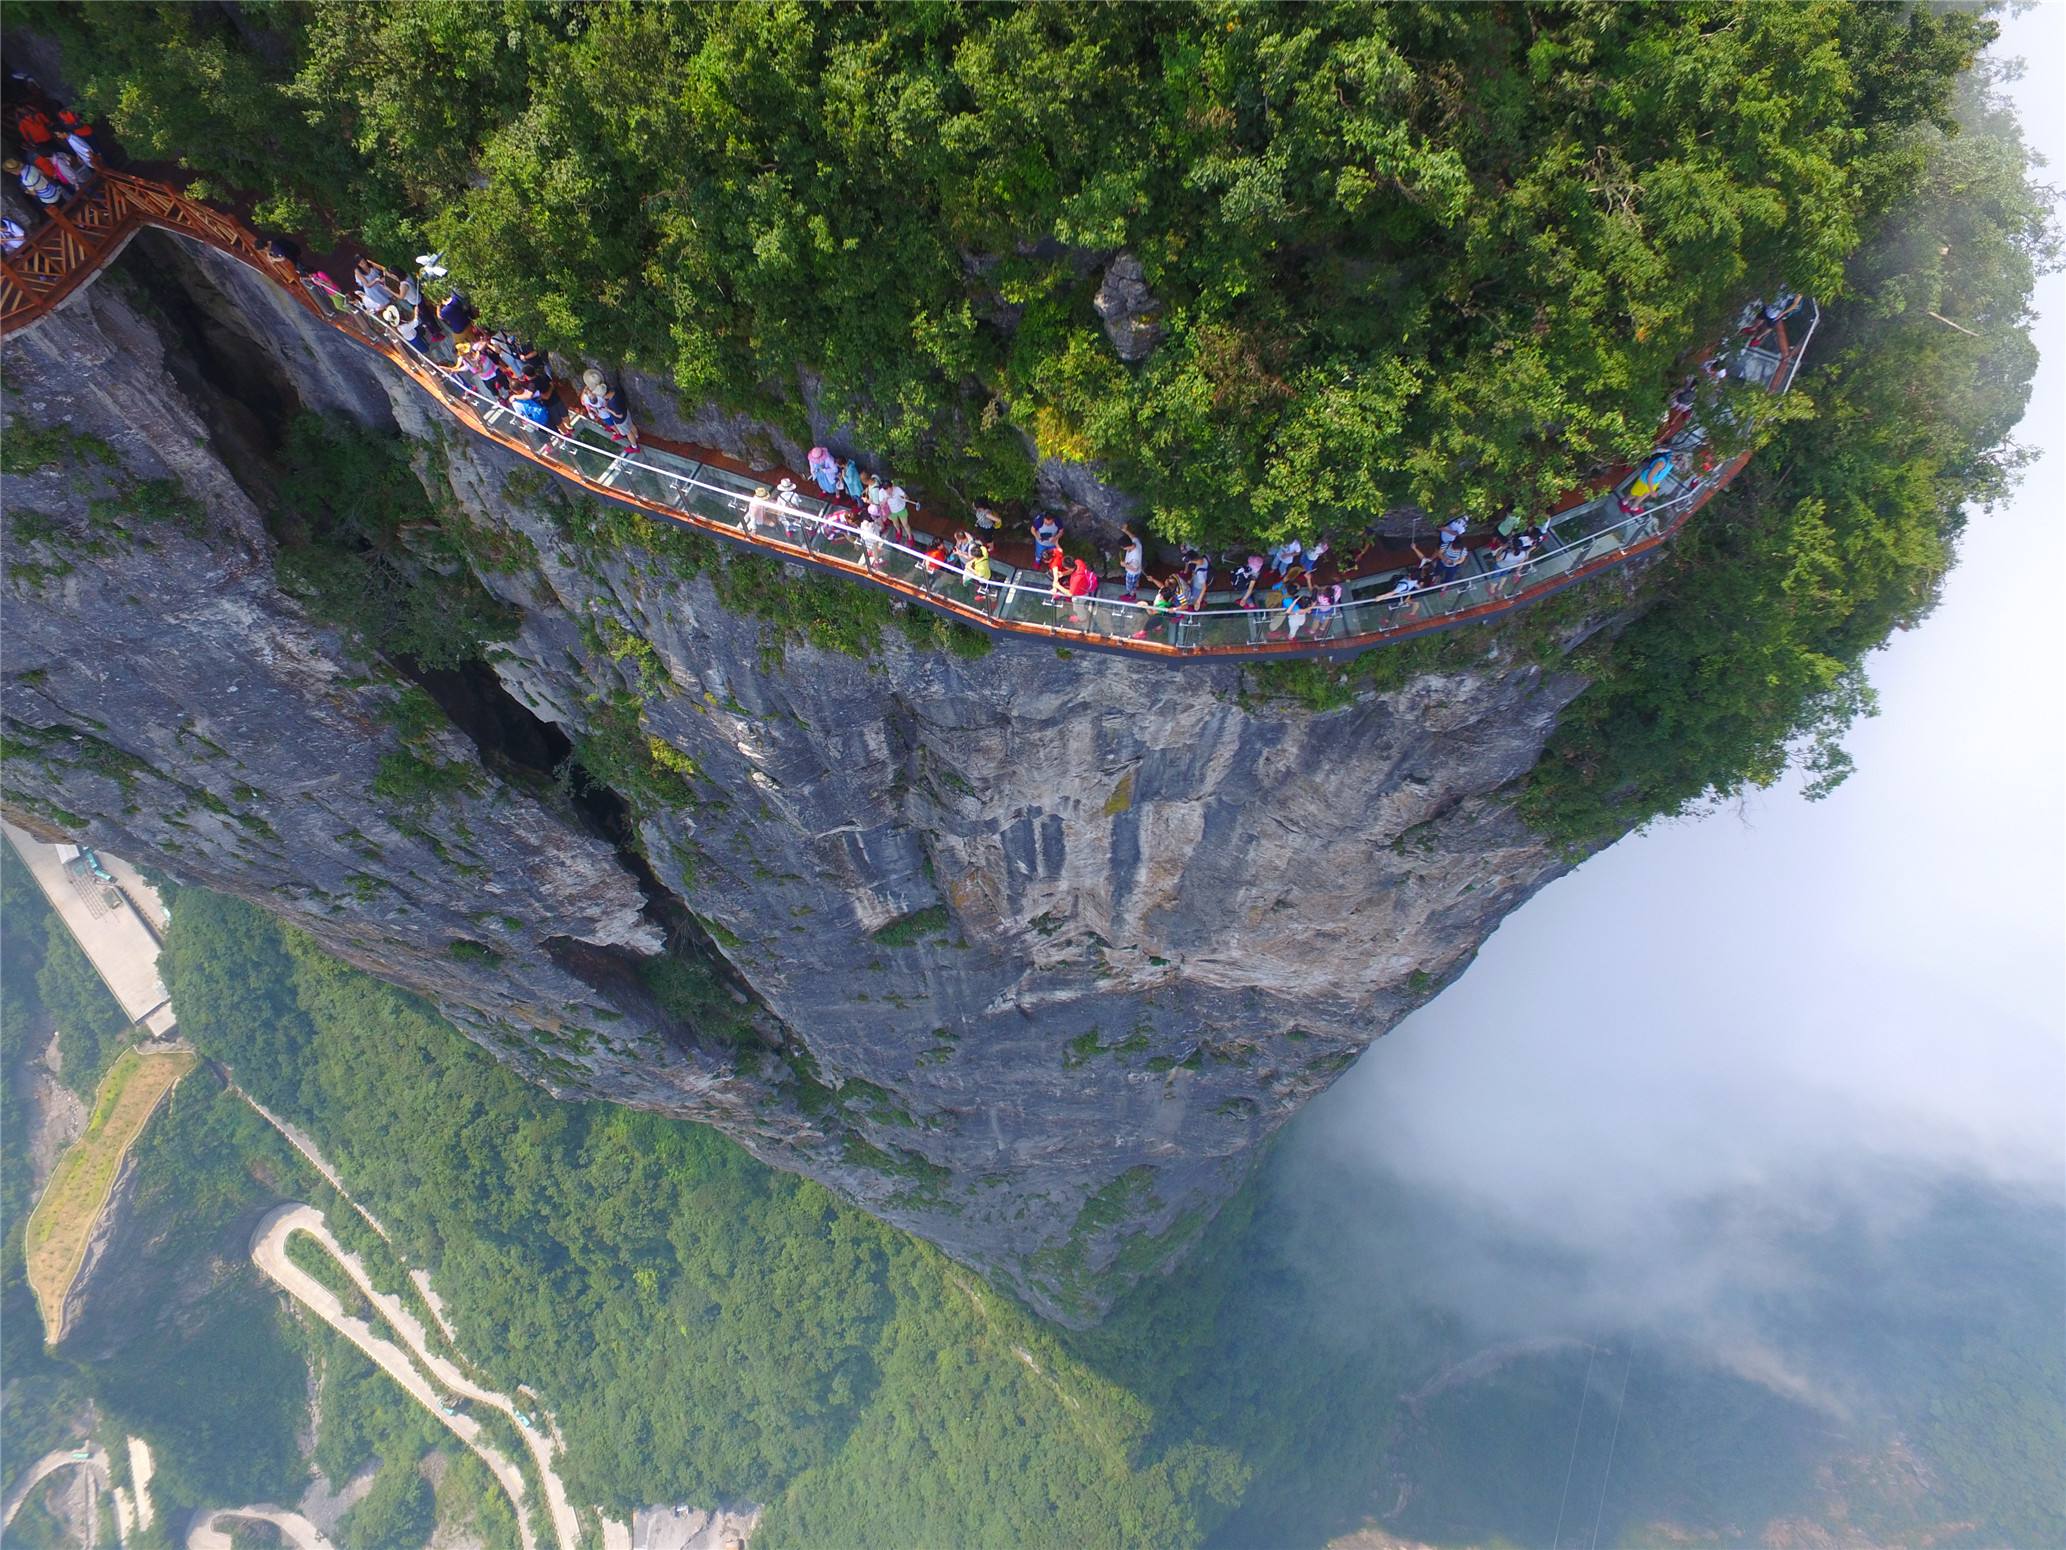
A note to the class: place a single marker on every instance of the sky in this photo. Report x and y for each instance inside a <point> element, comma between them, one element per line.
<point>1785,1001</point>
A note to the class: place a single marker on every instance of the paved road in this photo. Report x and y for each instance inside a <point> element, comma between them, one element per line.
<point>269,1253</point>
<point>204,1535</point>
<point>141,1468</point>
<point>43,1469</point>
<point>544,1442</point>
<point>299,1139</point>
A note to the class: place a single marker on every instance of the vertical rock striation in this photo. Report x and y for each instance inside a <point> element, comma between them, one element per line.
<point>1041,946</point>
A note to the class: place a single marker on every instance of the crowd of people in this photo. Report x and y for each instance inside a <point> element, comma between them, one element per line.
<point>1300,586</point>
<point>50,158</point>
<point>494,363</point>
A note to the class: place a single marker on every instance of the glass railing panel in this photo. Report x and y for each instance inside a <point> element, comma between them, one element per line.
<point>1218,630</point>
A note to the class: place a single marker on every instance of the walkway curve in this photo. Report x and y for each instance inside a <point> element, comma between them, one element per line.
<point>542,1441</point>
<point>301,1533</point>
<point>269,1253</point>
<point>85,234</point>
<point>44,1468</point>
<point>303,1143</point>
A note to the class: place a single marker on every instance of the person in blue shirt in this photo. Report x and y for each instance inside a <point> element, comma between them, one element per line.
<point>1047,537</point>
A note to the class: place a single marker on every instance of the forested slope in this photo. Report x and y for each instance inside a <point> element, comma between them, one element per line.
<point>706,1329</point>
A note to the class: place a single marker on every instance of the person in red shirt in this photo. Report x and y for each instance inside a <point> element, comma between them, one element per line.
<point>1083,582</point>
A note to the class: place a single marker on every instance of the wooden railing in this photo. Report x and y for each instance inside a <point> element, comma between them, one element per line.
<point>679,484</point>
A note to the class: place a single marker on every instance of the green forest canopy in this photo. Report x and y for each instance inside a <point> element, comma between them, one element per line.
<point>1444,254</point>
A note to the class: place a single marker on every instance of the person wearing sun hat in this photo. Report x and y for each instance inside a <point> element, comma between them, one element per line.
<point>605,405</point>
<point>787,507</point>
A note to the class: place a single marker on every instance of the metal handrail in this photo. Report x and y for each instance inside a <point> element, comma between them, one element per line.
<point>1415,607</point>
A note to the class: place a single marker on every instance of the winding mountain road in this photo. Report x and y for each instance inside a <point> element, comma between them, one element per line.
<point>301,1533</point>
<point>43,1469</point>
<point>269,1253</point>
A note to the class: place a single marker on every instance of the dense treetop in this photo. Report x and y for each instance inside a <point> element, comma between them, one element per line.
<point>1444,254</point>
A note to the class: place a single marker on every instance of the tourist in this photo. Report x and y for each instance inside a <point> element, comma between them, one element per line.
<point>1508,562</point>
<point>1771,314</point>
<point>1168,599</point>
<point>850,480</point>
<point>1083,582</point>
<point>787,506</point>
<point>371,282</point>
<point>825,469</point>
<point>1047,537</point>
<point>45,190</point>
<point>758,507</point>
<point>1297,605</point>
<point>605,406</point>
<point>537,410</point>
<point>403,323</point>
<point>1243,582</point>
<point>63,166</point>
<point>896,513</point>
<point>408,294</point>
<point>837,524</point>
<point>1327,603</point>
<point>12,234</point>
<point>479,357</point>
<point>1650,477</point>
<point>1200,583</point>
<point>980,570</point>
<point>1402,594</point>
<point>1285,556</point>
<point>530,364</point>
<point>871,539</point>
<point>456,313</point>
<point>987,522</point>
<point>936,557</point>
<point>34,127</point>
<point>1130,562</point>
<point>1452,559</point>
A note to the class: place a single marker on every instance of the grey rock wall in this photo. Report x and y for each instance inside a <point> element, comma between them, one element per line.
<point>1043,945</point>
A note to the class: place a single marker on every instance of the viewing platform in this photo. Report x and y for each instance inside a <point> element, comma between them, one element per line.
<point>1622,517</point>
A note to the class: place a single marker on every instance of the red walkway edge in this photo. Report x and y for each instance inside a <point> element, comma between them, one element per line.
<point>87,233</point>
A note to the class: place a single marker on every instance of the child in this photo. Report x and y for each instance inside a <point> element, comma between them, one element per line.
<point>1130,562</point>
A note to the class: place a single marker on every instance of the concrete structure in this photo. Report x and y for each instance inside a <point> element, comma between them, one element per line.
<point>116,917</point>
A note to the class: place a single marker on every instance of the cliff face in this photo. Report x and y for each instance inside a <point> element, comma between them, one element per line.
<point>1039,946</point>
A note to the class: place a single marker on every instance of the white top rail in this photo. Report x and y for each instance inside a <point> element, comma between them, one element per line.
<point>815,516</point>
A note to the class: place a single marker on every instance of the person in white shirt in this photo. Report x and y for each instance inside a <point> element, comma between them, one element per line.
<point>896,504</point>
<point>759,507</point>
<point>1130,562</point>
<point>787,506</point>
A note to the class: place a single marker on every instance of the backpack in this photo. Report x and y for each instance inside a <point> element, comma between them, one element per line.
<point>1653,474</point>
